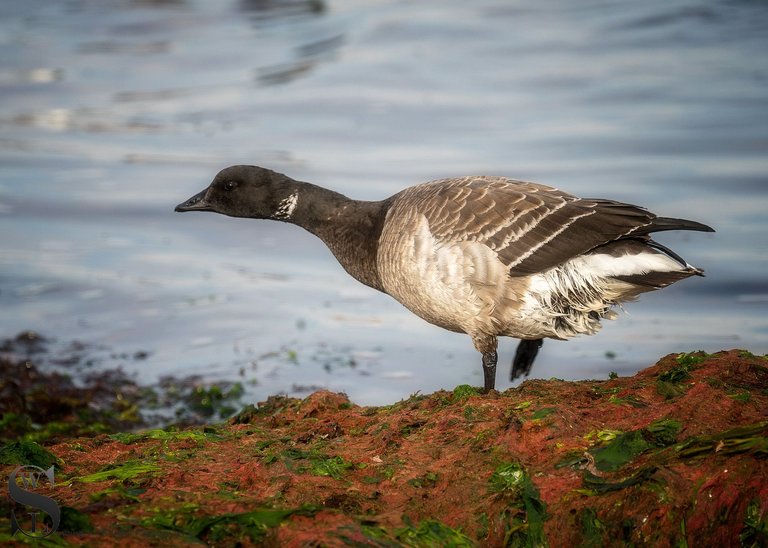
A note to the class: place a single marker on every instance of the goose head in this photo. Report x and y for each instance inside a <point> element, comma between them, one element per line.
<point>246,191</point>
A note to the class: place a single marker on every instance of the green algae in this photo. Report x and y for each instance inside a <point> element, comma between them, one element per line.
<point>313,461</point>
<point>670,383</point>
<point>526,512</point>
<point>130,470</point>
<point>619,451</point>
<point>662,435</point>
<point>253,525</point>
<point>430,533</point>
<point>27,453</point>
<point>602,435</point>
<point>374,536</point>
<point>333,467</point>
<point>742,397</point>
<point>427,534</point>
<point>752,439</point>
<point>74,521</point>
<point>622,448</point>
<point>464,391</point>
<point>663,432</point>
<point>425,481</point>
<point>627,400</point>
<point>592,529</point>
<point>542,413</point>
<point>117,492</point>
<point>691,359</point>
<point>165,435</point>
<point>597,485</point>
<point>754,534</point>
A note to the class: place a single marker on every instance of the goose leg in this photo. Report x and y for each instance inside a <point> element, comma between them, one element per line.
<point>524,357</point>
<point>489,370</point>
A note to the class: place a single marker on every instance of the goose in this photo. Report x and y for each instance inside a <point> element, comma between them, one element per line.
<point>483,255</point>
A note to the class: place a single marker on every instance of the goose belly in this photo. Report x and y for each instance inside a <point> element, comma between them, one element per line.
<point>449,284</point>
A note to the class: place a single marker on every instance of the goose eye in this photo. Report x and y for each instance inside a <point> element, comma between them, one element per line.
<point>230,185</point>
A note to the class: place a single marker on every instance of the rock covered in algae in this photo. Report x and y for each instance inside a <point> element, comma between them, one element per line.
<point>676,455</point>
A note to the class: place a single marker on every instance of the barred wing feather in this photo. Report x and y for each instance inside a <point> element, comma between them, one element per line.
<point>531,227</point>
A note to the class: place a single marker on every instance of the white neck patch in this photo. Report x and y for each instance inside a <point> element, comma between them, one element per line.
<point>287,206</point>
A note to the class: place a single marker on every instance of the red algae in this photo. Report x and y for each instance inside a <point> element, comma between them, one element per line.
<point>675,454</point>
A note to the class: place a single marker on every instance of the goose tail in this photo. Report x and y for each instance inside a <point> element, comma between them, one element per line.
<point>660,224</point>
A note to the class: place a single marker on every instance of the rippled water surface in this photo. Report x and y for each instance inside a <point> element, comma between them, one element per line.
<point>114,111</point>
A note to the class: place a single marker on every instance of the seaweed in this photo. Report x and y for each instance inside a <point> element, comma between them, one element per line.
<point>123,472</point>
<point>27,453</point>
<point>627,400</point>
<point>74,521</point>
<point>254,524</point>
<point>619,451</point>
<point>215,399</point>
<point>755,531</point>
<point>317,463</point>
<point>663,432</point>
<point>592,529</point>
<point>542,413</point>
<point>426,480</point>
<point>42,404</point>
<point>742,397</point>
<point>526,511</point>
<point>464,391</point>
<point>214,529</point>
<point>752,439</point>
<point>670,383</point>
<point>244,482</point>
<point>163,435</point>
<point>333,467</point>
<point>432,532</point>
<point>691,359</point>
<point>599,485</point>
<point>372,534</point>
<point>623,447</point>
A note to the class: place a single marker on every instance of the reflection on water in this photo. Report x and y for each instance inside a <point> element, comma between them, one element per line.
<point>102,132</point>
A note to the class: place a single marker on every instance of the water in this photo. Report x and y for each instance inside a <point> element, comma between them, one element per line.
<point>114,111</point>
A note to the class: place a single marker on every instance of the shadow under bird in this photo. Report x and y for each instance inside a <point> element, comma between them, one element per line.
<point>485,256</point>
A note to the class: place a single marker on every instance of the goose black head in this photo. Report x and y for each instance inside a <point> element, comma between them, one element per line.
<point>246,191</point>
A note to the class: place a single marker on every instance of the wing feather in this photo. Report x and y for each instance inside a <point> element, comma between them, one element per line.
<point>531,227</point>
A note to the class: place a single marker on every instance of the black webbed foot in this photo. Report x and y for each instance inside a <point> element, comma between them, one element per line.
<point>525,355</point>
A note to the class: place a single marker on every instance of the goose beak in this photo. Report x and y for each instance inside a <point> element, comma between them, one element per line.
<point>195,203</point>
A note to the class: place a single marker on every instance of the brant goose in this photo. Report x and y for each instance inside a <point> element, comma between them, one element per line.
<point>485,256</point>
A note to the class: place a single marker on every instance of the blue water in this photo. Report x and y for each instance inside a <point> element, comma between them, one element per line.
<point>114,111</point>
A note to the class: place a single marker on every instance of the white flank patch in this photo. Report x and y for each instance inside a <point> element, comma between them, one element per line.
<point>286,207</point>
<point>603,265</point>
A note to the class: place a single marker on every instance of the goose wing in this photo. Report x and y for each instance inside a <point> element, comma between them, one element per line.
<point>531,227</point>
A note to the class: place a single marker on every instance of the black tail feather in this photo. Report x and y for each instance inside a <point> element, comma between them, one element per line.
<point>664,249</point>
<point>657,280</point>
<point>660,224</point>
